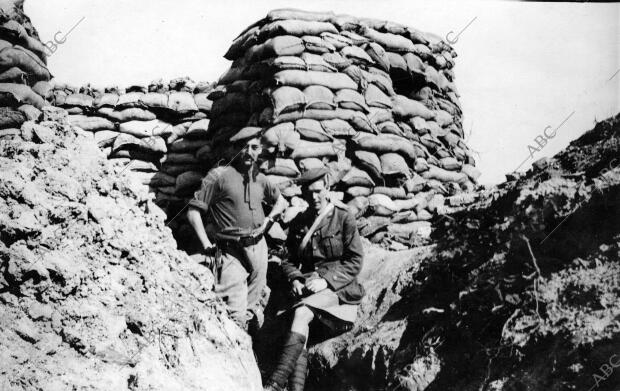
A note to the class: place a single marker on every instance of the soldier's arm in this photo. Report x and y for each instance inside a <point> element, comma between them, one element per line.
<point>200,203</point>
<point>195,220</point>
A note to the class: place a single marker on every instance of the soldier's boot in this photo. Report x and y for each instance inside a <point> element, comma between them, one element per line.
<point>297,379</point>
<point>288,359</point>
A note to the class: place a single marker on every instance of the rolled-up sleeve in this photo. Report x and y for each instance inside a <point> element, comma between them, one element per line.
<point>272,192</point>
<point>204,196</point>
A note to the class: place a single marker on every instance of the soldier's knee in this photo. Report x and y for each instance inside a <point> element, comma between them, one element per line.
<point>304,314</point>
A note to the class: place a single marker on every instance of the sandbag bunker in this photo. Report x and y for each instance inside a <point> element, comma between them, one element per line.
<point>374,101</point>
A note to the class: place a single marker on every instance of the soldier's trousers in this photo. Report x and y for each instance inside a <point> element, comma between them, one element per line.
<point>242,279</point>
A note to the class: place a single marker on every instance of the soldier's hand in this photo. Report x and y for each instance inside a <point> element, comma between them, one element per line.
<point>316,285</point>
<point>298,288</point>
<point>209,251</point>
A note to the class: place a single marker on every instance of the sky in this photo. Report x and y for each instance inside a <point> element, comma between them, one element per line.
<point>523,69</point>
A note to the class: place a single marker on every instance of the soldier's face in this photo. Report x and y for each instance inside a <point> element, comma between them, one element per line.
<point>250,152</point>
<point>316,195</point>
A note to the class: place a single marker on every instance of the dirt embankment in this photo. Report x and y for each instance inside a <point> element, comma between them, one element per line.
<point>93,293</point>
<point>520,290</point>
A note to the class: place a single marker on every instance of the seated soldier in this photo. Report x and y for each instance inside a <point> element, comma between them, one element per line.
<point>325,257</point>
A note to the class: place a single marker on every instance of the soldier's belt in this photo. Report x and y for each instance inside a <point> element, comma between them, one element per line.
<point>243,241</point>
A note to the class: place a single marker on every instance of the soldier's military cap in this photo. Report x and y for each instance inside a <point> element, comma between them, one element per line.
<point>312,175</point>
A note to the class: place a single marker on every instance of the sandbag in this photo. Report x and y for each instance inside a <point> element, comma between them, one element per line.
<point>203,103</point>
<point>79,100</point>
<point>204,153</point>
<point>376,98</point>
<point>443,118</point>
<point>357,55</point>
<point>336,60</point>
<point>184,145</point>
<point>285,99</point>
<point>420,165</point>
<point>296,28</point>
<point>359,191</point>
<point>284,45</point>
<point>317,44</point>
<point>319,97</point>
<point>198,130</point>
<point>182,102</point>
<point>142,167</point>
<point>146,128</point>
<point>11,118</point>
<point>176,169</point>
<point>414,64</point>
<point>415,184</point>
<point>339,41</point>
<point>450,163</point>
<point>369,162</point>
<point>310,163</point>
<point>31,112</point>
<point>393,192</point>
<point>311,130</point>
<point>232,101</point>
<point>406,203</point>
<point>306,149</point>
<point>394,164</point>
<point>378,55</point>
<point>92,124</point>
<point>358,206</point>
<point>25,60</point>
<point>389,127</point>
<point>379,115</point>
<point>105,138</point>
<point>106,100</point>
<point>180,158</point>
<point>357,119</point>
<point>152,144</point>
<point>333,81</point>
<point>382,205</point>
<point>14,95</point>
<point>281,167</point>
<point>417,228</point>
<point>444,175</point>
<point>397,62</point>
<point>351,99</point>
<point>389,41</point>
<point>125,115</point>
<point>471,171</point>
<point>315,62</point>
<point>354,37</point>
<point>357,177</point>
<point>13,75</point>
<point>282,137</point>
<point>131,99</point>
<point>187,182</point>
<point>387,143</point>
<point>338,128</point>
<point>162,179</point>
<point>405,108</point>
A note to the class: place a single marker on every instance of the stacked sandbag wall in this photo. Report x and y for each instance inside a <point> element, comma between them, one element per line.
<point>24,77</point>
<point>158,132</point>
<point>374,101</point>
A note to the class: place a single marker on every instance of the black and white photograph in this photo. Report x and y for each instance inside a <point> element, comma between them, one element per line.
<point>286,195</point>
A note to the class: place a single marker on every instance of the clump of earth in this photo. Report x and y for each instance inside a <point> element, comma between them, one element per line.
<point>518,291</point>
<point>93,292</point>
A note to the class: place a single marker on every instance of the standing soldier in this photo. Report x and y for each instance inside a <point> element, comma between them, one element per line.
<point>325,256</point>
<point>232,197</point>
